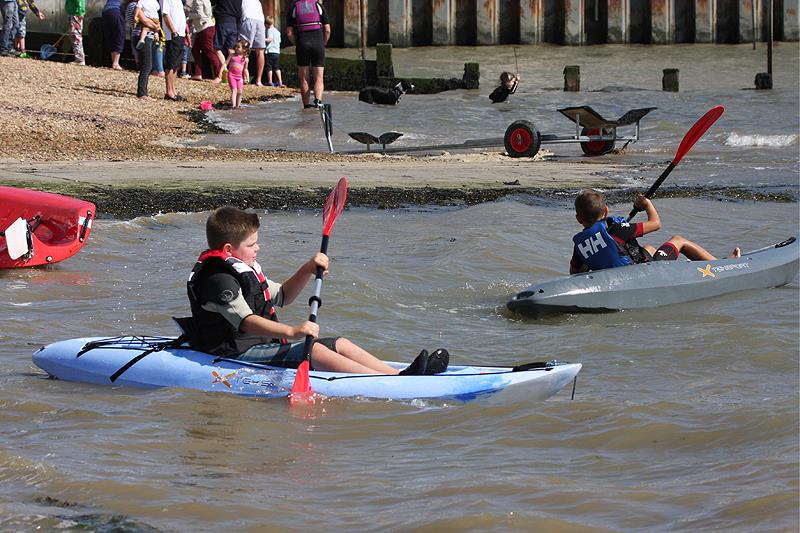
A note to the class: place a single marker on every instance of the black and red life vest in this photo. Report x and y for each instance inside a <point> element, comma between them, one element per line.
<point>212,333</point>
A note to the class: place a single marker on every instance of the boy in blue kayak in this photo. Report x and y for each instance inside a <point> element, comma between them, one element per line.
<point>608,242</point>
<point>233,308</point>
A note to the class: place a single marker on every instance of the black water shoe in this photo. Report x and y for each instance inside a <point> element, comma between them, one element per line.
<point>438,361</point>
<point>418,367</point>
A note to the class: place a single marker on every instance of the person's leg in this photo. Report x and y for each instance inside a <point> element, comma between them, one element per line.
<point>359,355</point>
<point>76,32</point>
<point>327,360</point>
<point>259,66</point>
<point>20,32</point>
<point>145,58</point>
<point>319,86</point>
<point>302,74</point>
<point>9,10</point>
<point>690,249</point>
<point>158,58</point>
<point>278,76</point>
<point>197,55</point>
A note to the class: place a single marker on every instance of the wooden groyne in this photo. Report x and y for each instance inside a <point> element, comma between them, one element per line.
<point>405,23</point>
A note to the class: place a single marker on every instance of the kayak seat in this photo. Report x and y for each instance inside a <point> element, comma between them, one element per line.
<point>590,118</point>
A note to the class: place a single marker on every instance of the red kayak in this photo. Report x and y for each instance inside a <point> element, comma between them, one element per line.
<point>40,228</point>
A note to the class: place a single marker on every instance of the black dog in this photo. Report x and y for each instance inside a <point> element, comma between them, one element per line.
<point>379,95</point>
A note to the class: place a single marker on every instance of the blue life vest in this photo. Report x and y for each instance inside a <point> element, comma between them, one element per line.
<point>598,249</point>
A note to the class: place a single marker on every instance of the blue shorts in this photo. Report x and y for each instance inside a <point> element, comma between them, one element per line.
<point>226,35</point>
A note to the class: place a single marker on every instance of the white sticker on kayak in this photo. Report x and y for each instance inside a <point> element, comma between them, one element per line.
<point>17,239</point>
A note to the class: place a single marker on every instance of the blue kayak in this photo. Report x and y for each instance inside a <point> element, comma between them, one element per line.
<point>151,362</point>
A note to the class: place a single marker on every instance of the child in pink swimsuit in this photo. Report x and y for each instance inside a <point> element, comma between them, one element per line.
<point>237,65</point>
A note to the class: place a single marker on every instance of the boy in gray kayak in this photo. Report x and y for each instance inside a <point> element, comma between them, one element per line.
<point>233,308</point>
<point>608,242</point>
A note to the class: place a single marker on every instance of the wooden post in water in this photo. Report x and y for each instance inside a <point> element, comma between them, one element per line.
<point>362,13</point>
<point>383,59</point>
<point>572,78</point>
<point>669,81</point>
<point>764,79</point>
<point>472,75</point>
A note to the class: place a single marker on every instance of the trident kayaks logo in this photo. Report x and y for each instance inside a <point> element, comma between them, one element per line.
<point>219,378</point>
<point>706,271</point>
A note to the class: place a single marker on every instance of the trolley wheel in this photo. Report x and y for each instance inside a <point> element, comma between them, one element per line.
<point>595,148</point>
<point>522,139</point>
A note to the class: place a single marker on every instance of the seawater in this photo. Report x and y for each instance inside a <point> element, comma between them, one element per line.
<point>754,144</point>
<point>685,417</point>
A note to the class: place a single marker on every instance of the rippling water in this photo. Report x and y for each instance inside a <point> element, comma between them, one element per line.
<point>686,417</point>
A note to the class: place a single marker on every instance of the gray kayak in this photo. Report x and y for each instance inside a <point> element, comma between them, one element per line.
<point>660,283</point>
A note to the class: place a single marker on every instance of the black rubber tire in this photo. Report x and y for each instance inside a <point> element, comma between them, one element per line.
<point>522,139</point>
<point>593,149</point>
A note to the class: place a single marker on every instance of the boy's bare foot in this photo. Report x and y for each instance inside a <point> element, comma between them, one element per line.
<point>215,81</point>
<point>735,254</point>
<point>145,97</point>
<point>116,67</point>
<point>259,84</point>
<point>197,78</point>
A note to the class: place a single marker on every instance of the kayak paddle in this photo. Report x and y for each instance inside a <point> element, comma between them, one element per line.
<point>301,389</point>
<point>691,137</point>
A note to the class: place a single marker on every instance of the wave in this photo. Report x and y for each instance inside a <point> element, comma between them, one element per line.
<point>772,141</point>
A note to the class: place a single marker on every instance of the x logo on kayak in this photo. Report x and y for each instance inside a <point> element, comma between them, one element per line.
<point>706,271</point>
<point>219,378</point>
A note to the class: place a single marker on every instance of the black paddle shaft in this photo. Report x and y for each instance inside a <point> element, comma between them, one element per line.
<point>315,301</point>
<point>650,192</point>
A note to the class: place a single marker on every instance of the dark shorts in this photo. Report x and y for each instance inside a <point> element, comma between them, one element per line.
<point>273,62</point>
<point>310,49</point>
<point>666,252</point>
<point>173,52</point>
<point>225,35</point>
<point>283,355</point>
<point>114,29</point>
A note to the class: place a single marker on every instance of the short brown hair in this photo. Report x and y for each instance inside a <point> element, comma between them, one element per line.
<point>269,20</point>
<point>230,225</point>
<point>589,205</point>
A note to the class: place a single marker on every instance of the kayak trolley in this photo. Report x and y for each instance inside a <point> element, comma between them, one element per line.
<point>595,134</point>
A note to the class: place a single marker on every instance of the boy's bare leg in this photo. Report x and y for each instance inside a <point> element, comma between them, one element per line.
<point>690,249</point>
<point>650,249</point>
<point>330,361</point>
<point>362,357</point>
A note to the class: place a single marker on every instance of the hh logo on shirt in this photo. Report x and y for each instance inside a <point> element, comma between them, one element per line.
<point>592,245</point>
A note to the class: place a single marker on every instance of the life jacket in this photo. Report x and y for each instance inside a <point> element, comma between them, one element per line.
<point>211,332</point>
<point>598,249</point>
<point>306,15</point>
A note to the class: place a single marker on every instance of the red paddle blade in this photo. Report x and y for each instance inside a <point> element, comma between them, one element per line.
<point>334,205</point>
<point>301,389</point>
<point>697,131</point>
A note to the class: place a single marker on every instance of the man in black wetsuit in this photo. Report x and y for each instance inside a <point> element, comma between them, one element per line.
<point>307,27</point>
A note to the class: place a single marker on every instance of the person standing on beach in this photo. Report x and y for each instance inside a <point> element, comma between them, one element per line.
<point>200,17</point>
<point>144,53</point>
<point>173,22</point>
<point>273,53</point>
<point>252,30</point>
<point>307,27</point>
<point>227,15</point>
<point>114,30</point>
<point>10,20</point>
<point>76,9</point>
<point>22,11</point>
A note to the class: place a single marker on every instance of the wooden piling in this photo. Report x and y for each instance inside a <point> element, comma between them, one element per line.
<point>763,81</point>
<point>670,80</point>
<point>572,78</point>
<point>383,58</point>
<point>472,76</point>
